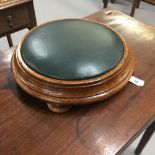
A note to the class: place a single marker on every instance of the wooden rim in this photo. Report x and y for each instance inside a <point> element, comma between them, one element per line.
<point>113,85</point>
<point>38,76</point>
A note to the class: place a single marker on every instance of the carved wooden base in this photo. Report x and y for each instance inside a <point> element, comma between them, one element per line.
<point>58,108</point>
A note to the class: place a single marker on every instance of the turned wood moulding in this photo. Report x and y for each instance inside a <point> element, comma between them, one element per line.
<point>72,62</point>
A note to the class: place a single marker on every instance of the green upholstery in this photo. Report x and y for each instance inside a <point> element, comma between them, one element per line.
<point>72,49</point>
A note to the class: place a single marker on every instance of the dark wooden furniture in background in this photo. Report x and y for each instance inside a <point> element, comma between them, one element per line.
<point>16,15</point>
<point>145,138</point>
<point>106,128</point>
<point>135,5</point>
<point>150,1</point>
<point>105,2</point>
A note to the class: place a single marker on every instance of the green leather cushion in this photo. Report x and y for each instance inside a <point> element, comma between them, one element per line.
<point>72,49</point>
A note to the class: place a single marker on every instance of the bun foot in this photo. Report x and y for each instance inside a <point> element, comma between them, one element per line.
<point>58,108</point>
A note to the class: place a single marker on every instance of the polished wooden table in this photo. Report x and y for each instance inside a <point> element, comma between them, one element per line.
<point>27,127</point>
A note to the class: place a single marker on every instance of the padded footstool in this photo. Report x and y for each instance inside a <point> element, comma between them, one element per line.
<point>72,62</point>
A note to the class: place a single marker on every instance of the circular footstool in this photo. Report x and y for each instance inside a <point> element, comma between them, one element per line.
<point>72,62</point>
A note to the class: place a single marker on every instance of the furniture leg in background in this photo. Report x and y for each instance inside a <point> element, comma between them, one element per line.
<point>145,138</point>
<point>9,40</point>
<point>135,5</point>
<point>105,2</point>
<point>138,3</point>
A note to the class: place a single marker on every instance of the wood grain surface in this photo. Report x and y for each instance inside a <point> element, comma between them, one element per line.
<point>27,127</point>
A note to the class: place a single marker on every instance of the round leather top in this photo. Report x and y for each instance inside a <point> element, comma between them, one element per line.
<point>72,49</point>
